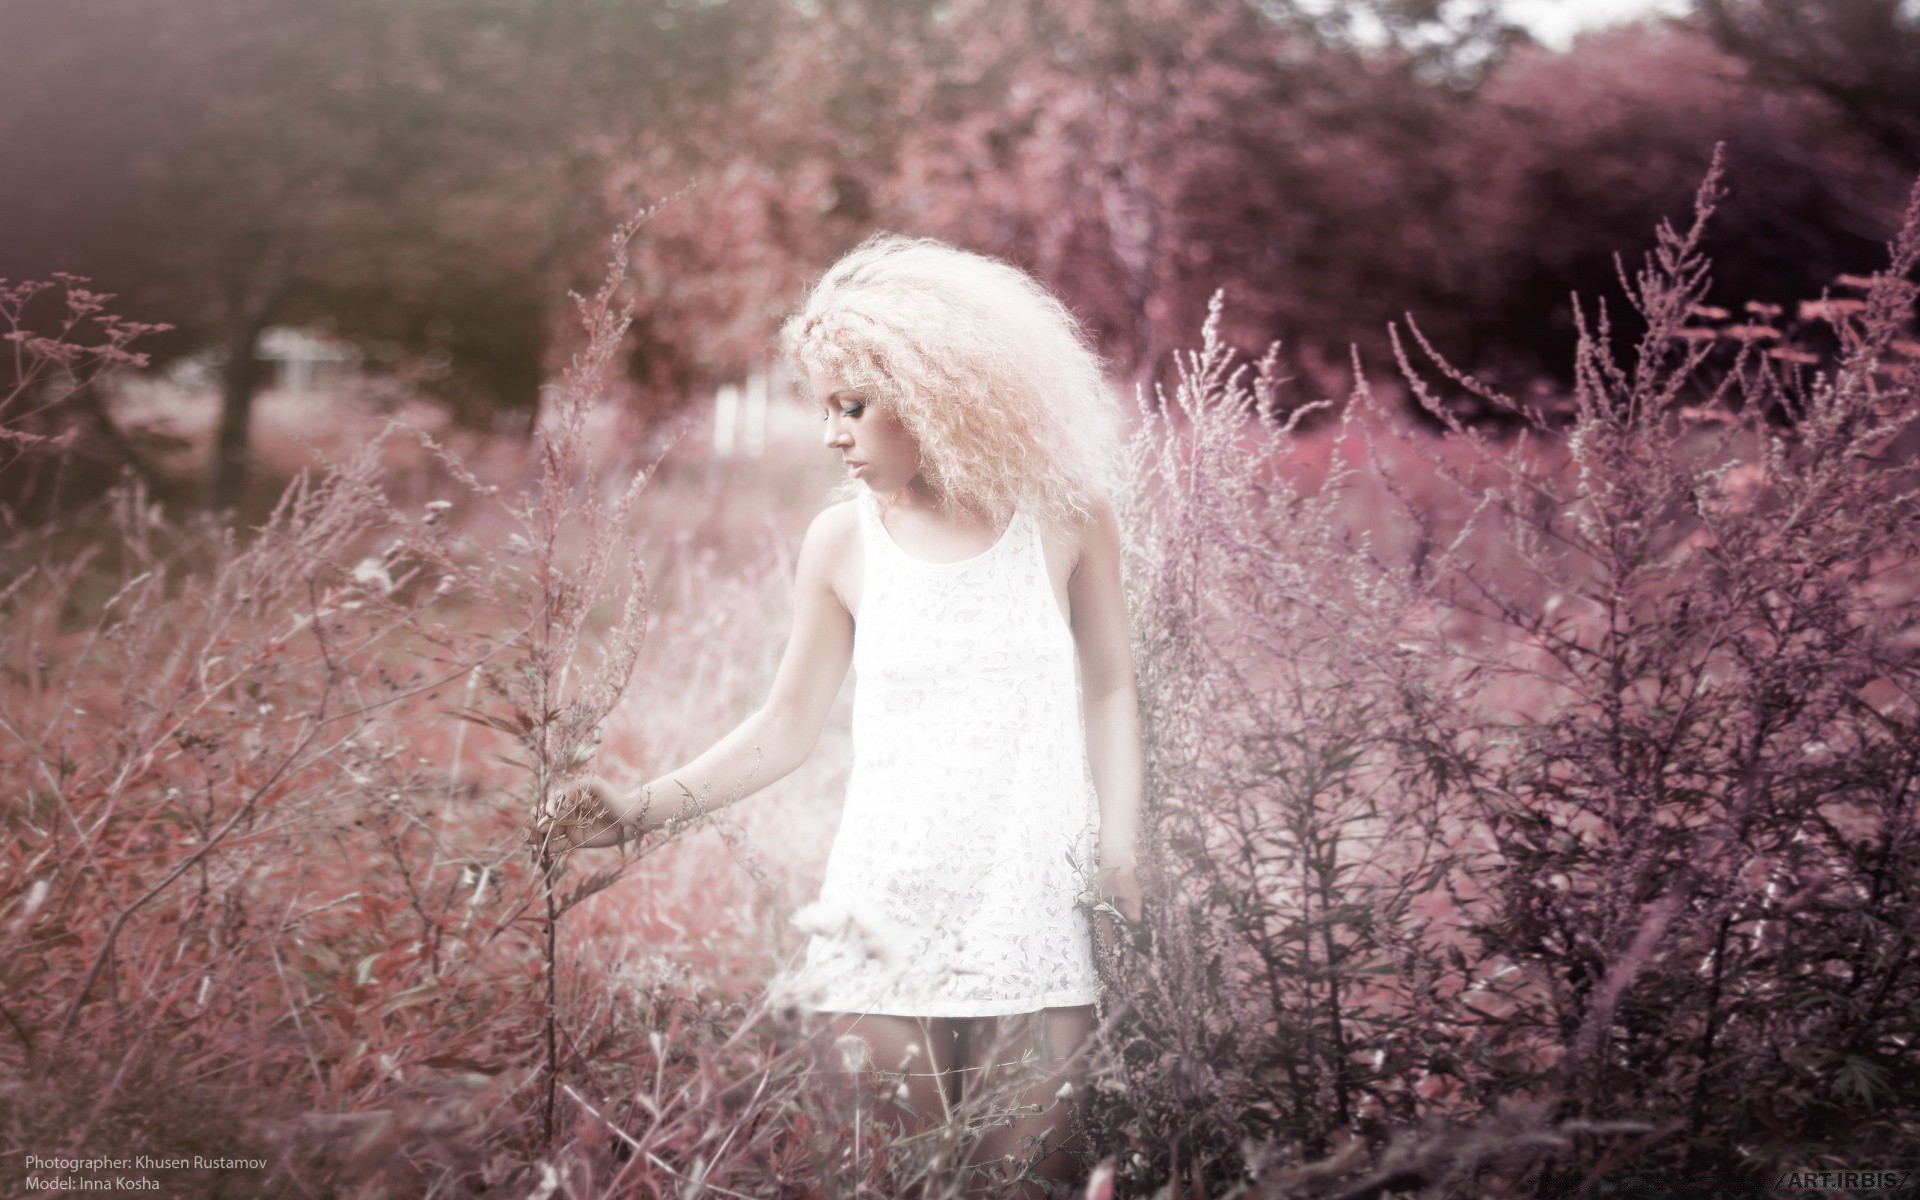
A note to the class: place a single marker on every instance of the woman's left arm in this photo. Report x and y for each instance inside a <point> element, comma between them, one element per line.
<point>1111,705</point>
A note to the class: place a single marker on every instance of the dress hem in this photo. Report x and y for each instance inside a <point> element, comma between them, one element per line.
<point>973,1008</point>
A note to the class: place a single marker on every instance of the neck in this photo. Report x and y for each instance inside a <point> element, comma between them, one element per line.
<point>919,493</point>
<point>922,495</point>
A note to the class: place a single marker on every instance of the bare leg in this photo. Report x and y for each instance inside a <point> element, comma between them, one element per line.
<point>887,1051</point>
<point>1033,1055</point>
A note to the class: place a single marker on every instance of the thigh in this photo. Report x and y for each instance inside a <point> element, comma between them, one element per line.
<point>906,1060</point>
<point>1050,1040</point>
<point>1031,1070</point>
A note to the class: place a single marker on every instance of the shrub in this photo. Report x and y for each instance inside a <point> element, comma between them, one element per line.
<point>266,894</point>
<point>250,872</point>
<point>1519,805</point>
<point>1553,794</point>
<point>50,412</point>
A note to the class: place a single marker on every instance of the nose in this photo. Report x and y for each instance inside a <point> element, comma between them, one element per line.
<point>838,436</point>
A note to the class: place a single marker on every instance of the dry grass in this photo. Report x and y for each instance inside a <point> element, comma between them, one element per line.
<point>1519,805</point>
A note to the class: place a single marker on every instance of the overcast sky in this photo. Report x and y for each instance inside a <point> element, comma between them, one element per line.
<point>1555,22</point>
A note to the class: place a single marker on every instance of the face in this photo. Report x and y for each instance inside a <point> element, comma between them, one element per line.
<point>871,441</point>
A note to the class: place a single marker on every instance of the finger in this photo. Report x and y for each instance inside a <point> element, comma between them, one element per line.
<point>555,834</point>
<point>1104,945</point>
<point>601,790</point>
<point>1126,903</point>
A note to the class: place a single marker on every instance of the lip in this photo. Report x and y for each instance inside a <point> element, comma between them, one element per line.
<point>854,468</point>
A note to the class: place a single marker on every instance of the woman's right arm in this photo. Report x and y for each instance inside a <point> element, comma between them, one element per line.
<point>779,736</point>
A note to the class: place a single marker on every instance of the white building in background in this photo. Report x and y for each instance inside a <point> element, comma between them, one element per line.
<point>726,419</point>
<point>301,359</point>
<point>1556,22</point>
<point>747,415</point>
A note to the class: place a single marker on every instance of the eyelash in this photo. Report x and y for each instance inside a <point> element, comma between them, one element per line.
<point>851,412</point>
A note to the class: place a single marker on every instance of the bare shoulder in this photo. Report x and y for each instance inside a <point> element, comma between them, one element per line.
<point>1097,539</point>
<point>1099,602</point>
<point>830,554</point>
<point>832,532</point>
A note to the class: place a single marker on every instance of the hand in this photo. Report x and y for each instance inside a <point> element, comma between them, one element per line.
<point>1119,888</point>
<point>574,816</point>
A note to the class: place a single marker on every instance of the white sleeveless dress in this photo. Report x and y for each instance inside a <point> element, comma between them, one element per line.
<point>954,884</point>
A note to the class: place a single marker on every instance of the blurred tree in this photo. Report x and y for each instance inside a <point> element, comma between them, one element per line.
<point>420,174</point>
<point>1448,42</point>
<point>1863,56</point>
<point>1572,156</point>
<point>428,176</point>
<point>1135,155</point>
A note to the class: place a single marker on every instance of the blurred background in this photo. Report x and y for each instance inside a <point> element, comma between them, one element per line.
<point>263,888</point>
<point>349,204</point>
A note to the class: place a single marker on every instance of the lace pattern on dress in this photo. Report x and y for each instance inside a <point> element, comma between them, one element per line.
<point>954,884</point>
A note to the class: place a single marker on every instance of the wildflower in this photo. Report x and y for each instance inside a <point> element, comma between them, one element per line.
<point>372,573</point>
<point>36,896</point>
<point>822,918</point>
<point>1829,310</point>
<point>855,1053</point>
<point>871,933</point>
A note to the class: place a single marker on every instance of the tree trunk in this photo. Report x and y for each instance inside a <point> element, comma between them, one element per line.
<point>239,382</point>
<point>1133,233</point>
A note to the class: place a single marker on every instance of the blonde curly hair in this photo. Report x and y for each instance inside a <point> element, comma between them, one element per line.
<point>986,369</point>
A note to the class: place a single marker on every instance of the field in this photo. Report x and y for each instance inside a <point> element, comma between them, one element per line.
<point>1524,806</point>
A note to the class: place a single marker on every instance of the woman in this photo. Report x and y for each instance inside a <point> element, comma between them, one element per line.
<point>977,562</point>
